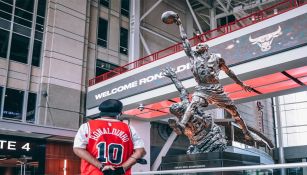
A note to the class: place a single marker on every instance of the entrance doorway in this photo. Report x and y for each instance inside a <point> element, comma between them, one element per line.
<point>18,166</point>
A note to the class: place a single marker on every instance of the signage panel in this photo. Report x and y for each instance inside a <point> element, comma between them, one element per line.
<point>13,146</point>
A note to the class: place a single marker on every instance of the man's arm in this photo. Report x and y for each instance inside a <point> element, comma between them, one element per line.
<point>233,76</point>
<point>170,73</point>
<point>85,155</point>
<point>185,42</point>
<point>138,154</point>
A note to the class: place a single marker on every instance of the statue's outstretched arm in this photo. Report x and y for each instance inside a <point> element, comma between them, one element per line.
<point>185,42</point>
<point>233,76</point>
<point>170,73</point>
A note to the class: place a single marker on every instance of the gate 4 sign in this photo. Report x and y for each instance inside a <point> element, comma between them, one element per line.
<point>13,145</point>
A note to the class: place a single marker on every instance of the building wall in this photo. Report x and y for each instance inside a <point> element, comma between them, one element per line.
<point>62,64</point>
<point>56,154</point>
<point>261,122</point>
<point>68,59</point>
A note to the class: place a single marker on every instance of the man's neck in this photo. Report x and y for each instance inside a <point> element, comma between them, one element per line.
<point>107,118</point>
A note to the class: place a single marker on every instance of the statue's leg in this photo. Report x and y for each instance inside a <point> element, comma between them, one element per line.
<point>232,109</point>
<point>196,101</point>
<point>223,101</point>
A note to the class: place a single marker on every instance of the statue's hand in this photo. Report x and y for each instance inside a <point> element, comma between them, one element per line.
<point>174,125</point>
<point>169,72</point>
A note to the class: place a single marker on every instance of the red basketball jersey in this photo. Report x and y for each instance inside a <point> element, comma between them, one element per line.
<point>110,142</point>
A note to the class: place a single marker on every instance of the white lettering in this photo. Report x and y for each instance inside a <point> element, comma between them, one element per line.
<point>142,81</point>
<point>98,96</point>
<point>11,145</point>
<point>114,91</point>
<point>26,146</point>
<point>119,133</point>
<point>151,78</point>
<point>2,143</point>
<point>181,68</point>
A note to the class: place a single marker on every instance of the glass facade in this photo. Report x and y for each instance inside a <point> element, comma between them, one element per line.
<point>293,110</point>
<point>1,91</point>
<point>123,41</point>
<point>19,48</point>
<point>102,39</point>
<point>13,104</point>
<point>21,38</point>
<point>105,3</point>
<point>125,7</point>
<point>103,67</point>
<point>4,40</point>
<point>21,14</point>
<point>30,116</point>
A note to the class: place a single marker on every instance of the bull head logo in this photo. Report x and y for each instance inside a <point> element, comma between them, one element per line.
<point>265,41</point>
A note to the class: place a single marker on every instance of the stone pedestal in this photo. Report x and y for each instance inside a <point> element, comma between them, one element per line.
<point>209,160</point>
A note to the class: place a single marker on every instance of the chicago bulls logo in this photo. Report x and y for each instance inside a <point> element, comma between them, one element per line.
<point>265,41</point>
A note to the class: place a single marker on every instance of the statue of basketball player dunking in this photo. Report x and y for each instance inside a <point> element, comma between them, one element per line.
<point>205,68</point>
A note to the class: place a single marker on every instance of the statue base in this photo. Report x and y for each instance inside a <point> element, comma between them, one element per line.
<point>209,160</point>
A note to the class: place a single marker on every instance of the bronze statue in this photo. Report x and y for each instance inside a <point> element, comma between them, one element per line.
<point>203,133</point>
<point>206,68</point>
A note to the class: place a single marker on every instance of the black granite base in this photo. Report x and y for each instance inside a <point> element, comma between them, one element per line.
<point>209,160</point>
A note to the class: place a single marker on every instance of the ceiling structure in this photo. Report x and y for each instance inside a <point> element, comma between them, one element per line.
<point>223,8</point>
<point>207,15</point>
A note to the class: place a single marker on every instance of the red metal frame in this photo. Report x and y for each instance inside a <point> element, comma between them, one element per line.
<point>209,35</point>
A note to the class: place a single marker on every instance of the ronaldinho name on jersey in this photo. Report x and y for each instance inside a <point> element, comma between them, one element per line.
<point>117,132</point>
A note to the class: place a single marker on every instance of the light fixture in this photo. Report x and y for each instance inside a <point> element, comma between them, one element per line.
<point>65,166</point>
<point>141,107</point>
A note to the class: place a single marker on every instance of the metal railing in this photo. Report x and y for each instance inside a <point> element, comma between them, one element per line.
<point>253,18</point>
<point>228,169</point>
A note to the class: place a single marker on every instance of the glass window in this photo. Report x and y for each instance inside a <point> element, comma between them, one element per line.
<point>19,48</point>
<point>39,28</point>
<point>5,11</point>
<point>30,117</point>
<point>5,15</point>
<point>8,1</point>
<point>41,8</point>
<point>123,41</point>
<point>4,40</point>
<point>23,14</point>
<point>1,89</point>
<point>125,8</point>
<point>25,4</point>
<point>36,53</point>
<point>22,21</point>
<point>40,20</point>
<point>102,33</point>
<point>103,67</point>
<point>13,104</point>
<point>104,3</point>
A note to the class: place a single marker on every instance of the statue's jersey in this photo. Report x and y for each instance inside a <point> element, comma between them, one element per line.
<point>206,72</point>
<point>110,142</point>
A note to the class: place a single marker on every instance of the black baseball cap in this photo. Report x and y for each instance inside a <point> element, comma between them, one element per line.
<point>111,108</point>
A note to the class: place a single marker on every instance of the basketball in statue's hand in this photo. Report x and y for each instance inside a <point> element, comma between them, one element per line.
<point>169,17</point>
